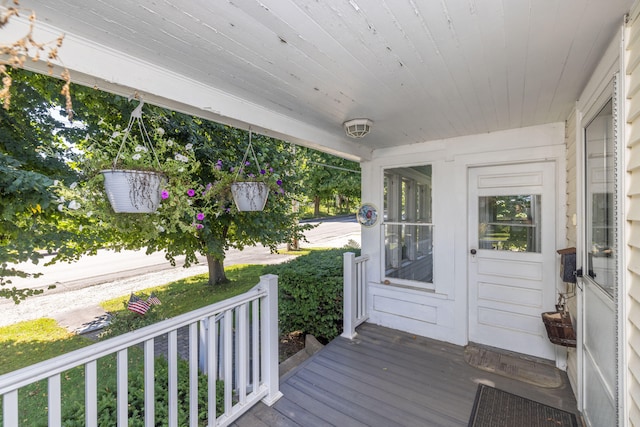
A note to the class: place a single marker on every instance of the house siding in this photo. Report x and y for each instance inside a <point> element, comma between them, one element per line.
<point>633,215</point>
<point>571,232</point>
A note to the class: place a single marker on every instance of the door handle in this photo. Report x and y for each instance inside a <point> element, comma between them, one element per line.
<point>472,251</point>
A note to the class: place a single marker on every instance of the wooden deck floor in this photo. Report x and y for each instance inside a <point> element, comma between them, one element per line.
<point>388,378</point>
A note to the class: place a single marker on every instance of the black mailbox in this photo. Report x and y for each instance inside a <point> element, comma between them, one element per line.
<point>568,265</point>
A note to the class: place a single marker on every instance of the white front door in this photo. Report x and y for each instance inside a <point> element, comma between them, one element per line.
<point>512,261</point>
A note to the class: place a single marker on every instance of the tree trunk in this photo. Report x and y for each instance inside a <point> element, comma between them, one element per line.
<point>216,271</point>
<point>316,206</point>
<point>294,245</point>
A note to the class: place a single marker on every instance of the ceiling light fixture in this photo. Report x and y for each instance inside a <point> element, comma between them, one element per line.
<point>357,128</point>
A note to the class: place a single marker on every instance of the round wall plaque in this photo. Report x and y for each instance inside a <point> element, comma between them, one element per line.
<point>367,215</point>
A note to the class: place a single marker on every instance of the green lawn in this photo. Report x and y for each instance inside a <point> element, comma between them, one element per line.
<point>30,342</point>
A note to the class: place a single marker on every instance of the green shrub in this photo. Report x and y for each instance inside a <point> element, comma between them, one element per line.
<point>310,293</point>
<point>107,399</point>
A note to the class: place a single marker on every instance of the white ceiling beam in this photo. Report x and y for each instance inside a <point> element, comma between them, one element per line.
<point>97,66</point>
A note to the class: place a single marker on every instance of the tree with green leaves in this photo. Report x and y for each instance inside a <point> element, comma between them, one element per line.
<point>197,215</point>
<point>35,164</point>
<point>53,200</point>
<point>328,178</point>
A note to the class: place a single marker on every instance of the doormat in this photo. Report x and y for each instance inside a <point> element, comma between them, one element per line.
<point>512,365</point>
<point>496,408</point>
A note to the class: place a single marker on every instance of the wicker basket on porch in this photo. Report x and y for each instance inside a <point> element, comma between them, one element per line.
<point>559,328</point>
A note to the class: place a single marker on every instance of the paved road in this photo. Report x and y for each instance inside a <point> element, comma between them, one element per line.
<point>82,285</point>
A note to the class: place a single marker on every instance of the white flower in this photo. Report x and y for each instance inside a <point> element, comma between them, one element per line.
<point>80,228</point>
<point>160,228</point>
<point>73,185</point>
<point>188,146</point>
<point>115,134</point>
<point>60,207</point>
<point>181,170</point>
<point>160,131</point>
<point>140,148</point>
<point>74,205</point>
<point>61,199</point>
<point>181,158</point>
<point>101,122</point>
<point>170,143</point>
<point>56,182</point>
<point>136,156</point>
<point>89,214</point>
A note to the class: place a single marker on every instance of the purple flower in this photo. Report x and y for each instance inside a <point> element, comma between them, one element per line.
<point>191,192</point>
<point>251,175</point>
<point>199,226</point>
<point>262,171</point>
<point>164,194</point>
<point>279,182</point>
<point>271,170</point>
<point>247,163</point>
<point>200,216</point>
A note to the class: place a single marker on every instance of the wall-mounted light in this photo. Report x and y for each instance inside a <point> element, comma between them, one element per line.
<point>357,128</point>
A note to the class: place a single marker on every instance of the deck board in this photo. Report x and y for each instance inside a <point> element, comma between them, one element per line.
<point>388,378</point>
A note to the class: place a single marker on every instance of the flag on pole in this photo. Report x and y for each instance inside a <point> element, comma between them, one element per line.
<point>153,299</point>
<point>137,305</point>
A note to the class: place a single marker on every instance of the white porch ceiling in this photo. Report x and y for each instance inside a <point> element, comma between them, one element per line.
<point>297,69</point>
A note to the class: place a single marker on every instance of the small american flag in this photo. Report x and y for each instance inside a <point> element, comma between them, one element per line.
<point>153,299</point>
<point>137,305</point>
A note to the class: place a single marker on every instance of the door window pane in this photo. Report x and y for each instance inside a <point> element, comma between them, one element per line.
<point>509,223</point>
<point>600,213</point>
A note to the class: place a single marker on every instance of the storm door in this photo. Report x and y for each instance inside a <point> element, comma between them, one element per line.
<point>599,282</point>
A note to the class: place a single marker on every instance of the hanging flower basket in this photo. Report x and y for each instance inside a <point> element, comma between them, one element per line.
<point>250,195</point>
<point>133,191</point>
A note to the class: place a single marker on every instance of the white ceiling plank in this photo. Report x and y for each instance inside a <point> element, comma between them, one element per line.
<point>422,70</point>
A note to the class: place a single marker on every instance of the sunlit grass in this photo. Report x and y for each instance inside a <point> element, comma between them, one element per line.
<point>192,293</point>
<point>27,343</point>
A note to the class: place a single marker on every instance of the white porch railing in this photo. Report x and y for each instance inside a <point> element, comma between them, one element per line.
<point>355,293</point>
<point>247,327</point>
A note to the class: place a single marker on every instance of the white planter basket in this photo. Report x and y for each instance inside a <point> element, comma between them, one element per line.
<point>133,191</point>
<point>250,196</point>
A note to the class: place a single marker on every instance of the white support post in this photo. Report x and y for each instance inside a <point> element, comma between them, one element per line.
<point>172,361</point>
<point>349,297</point>
<point>149,383</point>
<point>203,333</point>
<point>193,375</point>
<point>122,386</point>
<point>55,401</point>
<point>270,338</point>
<point>91,394</point>
<point>10,408</point>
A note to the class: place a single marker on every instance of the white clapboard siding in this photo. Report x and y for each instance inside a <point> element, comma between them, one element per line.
<point>633,213</point>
